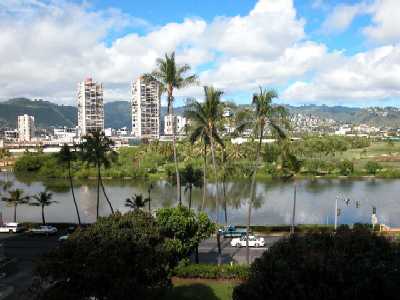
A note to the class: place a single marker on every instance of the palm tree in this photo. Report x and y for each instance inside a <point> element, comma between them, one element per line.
<point>265,115</point>
<point>136,202</point>
<point>65,156</point>
<point>15,198</point>
<point>97,150</point>
<point>205,117</point>
<point>42,199</point>
<point>191,177</point>
<point>171,76</point>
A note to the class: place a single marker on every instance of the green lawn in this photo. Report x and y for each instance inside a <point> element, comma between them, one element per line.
<point>201,290</point>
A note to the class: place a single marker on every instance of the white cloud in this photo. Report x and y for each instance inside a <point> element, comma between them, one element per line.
<point>386,22</point>
<point>371,75</point>
<point>342,16</point>
<point>47,47</point>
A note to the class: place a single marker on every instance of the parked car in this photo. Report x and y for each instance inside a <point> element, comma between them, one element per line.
<point>253,241</point>
<point>66,236</point>
<point>45,229</point>
<point>232,231</point>
<point>11,227</point>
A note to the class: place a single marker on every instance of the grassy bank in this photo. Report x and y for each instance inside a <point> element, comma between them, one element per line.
<point>379,160</point>
<point>200,289</point>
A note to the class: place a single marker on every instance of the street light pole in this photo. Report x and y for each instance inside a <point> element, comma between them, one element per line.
<point>294,209</point>
<point>336,212</point>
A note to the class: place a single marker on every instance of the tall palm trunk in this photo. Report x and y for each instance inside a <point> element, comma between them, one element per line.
<point>15,212</point>
<point>252,192</point>
<point>178,181</point>
<point>190,196</point>
<point>105,195</point>
<point>43,219</point>
<point>224,188</point>
<point>73,193</point>
<point>98,191</point>
<point>204,178</point>
<point>219,259</point>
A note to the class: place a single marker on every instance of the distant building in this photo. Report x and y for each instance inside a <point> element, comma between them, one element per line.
<point>90,107</point>
<point>180,124</point>
<point>123,131</point>
<point>109,132</point>
<point>146,109</point>
<point>65,134</point>
<point>11,135</point>
<point>26,128</point>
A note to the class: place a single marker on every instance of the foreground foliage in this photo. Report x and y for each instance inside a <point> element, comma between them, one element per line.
<point>346,265</point>
<point>115,258</point>
<point>212,271</point>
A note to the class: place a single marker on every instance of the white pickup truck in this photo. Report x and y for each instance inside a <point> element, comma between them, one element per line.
<point>11,227</point>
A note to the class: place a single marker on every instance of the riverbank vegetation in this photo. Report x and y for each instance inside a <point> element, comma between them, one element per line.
<point>319,156</point>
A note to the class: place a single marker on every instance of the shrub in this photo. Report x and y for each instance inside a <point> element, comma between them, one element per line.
<point>30,162</point>
<point>347,265</point>
<point>212,271</point>
<point>115,258</point>
<point>346,167</point>
<point>372,167</point>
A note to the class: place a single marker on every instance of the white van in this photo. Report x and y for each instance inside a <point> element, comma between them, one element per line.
<point>11,227</point>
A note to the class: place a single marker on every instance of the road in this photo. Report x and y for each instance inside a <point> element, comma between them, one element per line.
<point>28,248</point>
<point>208,250</point>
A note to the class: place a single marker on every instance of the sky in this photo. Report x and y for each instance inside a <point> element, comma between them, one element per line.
<point>343,52</point>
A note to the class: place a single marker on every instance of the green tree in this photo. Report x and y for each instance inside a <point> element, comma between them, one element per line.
<point>205,117</point>
<point>42,199</point>
<point>65,157</point>
<point>16,197</point>
<point>97,150</point>
<point>265,115</point>
<point>347,265</point>
<point>136,202</point>
<point>346,167</point>
<point>372,167</point>
<point>172,76</point>
<point>191,177</point>
<point>184,230</point>
<point>122,256</point>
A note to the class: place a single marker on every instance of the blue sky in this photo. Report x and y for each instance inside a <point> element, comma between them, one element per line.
<point>311,51</point>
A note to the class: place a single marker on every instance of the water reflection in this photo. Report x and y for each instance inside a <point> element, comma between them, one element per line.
<point>273,204</point>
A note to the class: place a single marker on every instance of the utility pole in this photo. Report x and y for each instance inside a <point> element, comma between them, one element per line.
<point>336,212</point>
<point>294,208</point>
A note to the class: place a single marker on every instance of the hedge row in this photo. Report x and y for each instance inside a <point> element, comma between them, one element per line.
<point>212,271</point>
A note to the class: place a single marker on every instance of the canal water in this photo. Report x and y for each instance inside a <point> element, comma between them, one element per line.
<point>273,205</point>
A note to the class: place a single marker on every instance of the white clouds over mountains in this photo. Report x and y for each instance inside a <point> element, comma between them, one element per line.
<point>46,48</point>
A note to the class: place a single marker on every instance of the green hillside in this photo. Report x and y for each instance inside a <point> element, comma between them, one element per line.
<point>118,113</point>
<point>46,113</point>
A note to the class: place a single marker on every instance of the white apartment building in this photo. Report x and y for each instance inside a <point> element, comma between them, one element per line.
<point>146,104</point>
<point>90,107</point>
<point>65,134</point>
<point>180,124</point>
<point>26,128</point>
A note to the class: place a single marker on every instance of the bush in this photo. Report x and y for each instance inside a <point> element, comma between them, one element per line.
<point>346,167</point>
<point>30,162</point>
<point>115,258</point>
<point>372,167</point>
<point>347,265</point>
<point>212,271</point>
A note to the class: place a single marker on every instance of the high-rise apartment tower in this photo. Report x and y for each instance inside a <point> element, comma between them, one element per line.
<point>145,108</point>
<point>26,128</point>
<point>90,107</point>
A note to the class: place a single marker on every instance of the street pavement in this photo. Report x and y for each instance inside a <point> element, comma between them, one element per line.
<point>28,248</point>
<point>208,250</point>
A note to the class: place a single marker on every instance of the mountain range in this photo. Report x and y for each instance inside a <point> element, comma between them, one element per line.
<point>118,114</point>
